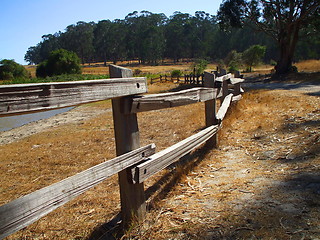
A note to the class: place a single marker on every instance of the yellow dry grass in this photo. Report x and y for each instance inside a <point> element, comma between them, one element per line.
<point>184,204</point>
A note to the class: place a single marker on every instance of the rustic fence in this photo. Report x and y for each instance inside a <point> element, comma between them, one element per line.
<point>134,164</point>
<point>186,79</point>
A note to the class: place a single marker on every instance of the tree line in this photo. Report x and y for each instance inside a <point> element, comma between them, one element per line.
<point>151,37</point>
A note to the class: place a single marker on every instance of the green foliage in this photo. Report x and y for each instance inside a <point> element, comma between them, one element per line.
<point>10,70</point>
<point>282,20</point>
<point>176,73</point>
<point>233,61</point>
<point>253,56</point>
<point>59,62</point>
<point>199,66</point>
<point>150,38</point>
<point>58,78</point>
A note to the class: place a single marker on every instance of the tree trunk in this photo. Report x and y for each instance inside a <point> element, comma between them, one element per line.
<point>288,39</point>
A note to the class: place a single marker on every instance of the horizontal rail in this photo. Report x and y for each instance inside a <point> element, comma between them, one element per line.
<point>23,211</point>
<point>164,158</point>
<point>224,107</point>
<point>168,100</point>
<point>24,98</point>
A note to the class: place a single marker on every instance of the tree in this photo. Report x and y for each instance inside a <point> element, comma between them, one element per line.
<point>79,39</point>
<point>102,35</point>
<point>176,34</point>
<point>10,70</point>
<point>59,62</point>
<point>253,55</point>
<point>283,20</point>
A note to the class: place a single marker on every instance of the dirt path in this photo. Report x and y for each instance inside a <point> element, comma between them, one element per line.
<point>262,183</point>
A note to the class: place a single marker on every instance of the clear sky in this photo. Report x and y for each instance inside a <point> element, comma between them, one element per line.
<point>22,23</point>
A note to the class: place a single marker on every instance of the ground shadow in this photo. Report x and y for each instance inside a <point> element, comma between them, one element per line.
<point>111,230</point>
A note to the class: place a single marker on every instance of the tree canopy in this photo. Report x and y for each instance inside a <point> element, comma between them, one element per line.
<point>59,62</point>
<point>151,37</point>
<point>10,70</point>
<point>282,20</point>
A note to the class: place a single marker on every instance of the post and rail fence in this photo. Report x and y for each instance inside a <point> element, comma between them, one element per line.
<point>133,164</point>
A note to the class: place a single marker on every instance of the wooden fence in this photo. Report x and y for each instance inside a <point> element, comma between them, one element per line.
<point>134,164</point>
<point>186,79</point>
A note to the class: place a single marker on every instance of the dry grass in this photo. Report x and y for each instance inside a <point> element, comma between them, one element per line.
<point>309,66</point>
<point>210,194</point>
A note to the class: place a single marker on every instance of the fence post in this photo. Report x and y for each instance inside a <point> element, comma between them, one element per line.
<point>210,109</point>
<point>133,206</point>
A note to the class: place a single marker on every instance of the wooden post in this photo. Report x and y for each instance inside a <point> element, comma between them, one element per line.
<point>210,110</point>
<point>133,206</point>
<point>224,89</point>
<point>222,72</point>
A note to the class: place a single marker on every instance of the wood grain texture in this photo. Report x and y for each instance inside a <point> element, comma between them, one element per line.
<point>162,159</point>
<point>24,98</point>
<point>174,99</point>
<point>133,206</point>
<point>211,109</point>
<point>23,211</point>
<point>224,107</point>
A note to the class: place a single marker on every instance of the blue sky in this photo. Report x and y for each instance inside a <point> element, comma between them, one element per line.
<point>22,23</point>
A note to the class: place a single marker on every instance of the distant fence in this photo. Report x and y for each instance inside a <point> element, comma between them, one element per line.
<point>134,164</point>
<point>186,79</point>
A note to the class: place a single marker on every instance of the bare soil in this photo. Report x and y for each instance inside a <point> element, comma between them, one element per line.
<point>262,182</point>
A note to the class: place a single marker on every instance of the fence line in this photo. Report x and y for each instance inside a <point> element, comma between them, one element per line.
<point>133,164</point>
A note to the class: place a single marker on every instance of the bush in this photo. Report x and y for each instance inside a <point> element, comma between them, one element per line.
<point>59,62</point>
<point>253,55</point>
<point>176,73</point>
<point>137,72</point>
<point>10,70</point>
<point>199,66</point>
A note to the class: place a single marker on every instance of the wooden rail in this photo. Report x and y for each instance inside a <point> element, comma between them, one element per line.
<point>133,164</point>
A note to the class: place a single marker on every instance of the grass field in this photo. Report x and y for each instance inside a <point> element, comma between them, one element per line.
<point>180,204</point>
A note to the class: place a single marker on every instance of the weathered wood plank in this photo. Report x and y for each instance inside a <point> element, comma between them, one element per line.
<point>236,80</point>
<point>133,206</point>
<point>24,98</point>
<point>211,109</point>
<point>236,98</point>
<point>224,77</point>
<point>23,211</point>
<point>224,106</point>
<point>162,159</point>
<point>174,99</point>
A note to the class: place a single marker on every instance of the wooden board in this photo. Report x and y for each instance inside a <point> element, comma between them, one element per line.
<point>174,99</point>
<point>224,77</point>
<point>132,197</point>
<point>211,109</point>
<point>24,98</point>
<point>162,159</point>
<point>23,211</point>
<point>224,107</point>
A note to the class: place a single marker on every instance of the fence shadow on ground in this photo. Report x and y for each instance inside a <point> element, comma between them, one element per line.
<point>111,230</point>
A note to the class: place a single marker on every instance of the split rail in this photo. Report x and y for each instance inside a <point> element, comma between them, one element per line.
<point>134,164</point>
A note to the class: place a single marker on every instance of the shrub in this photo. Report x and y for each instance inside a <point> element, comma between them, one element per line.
<point>59,62</point>
<point>199,66</point>
<point>253,55</point>
<point>176,73</point>
<point>137,72</point>
<point>10,70</point>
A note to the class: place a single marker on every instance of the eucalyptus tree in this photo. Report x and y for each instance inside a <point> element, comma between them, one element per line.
<point>282,20</point>
<point>102,36</point>
<point>177,33</point>
<point>145,39</point>
<point>79,39</point>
